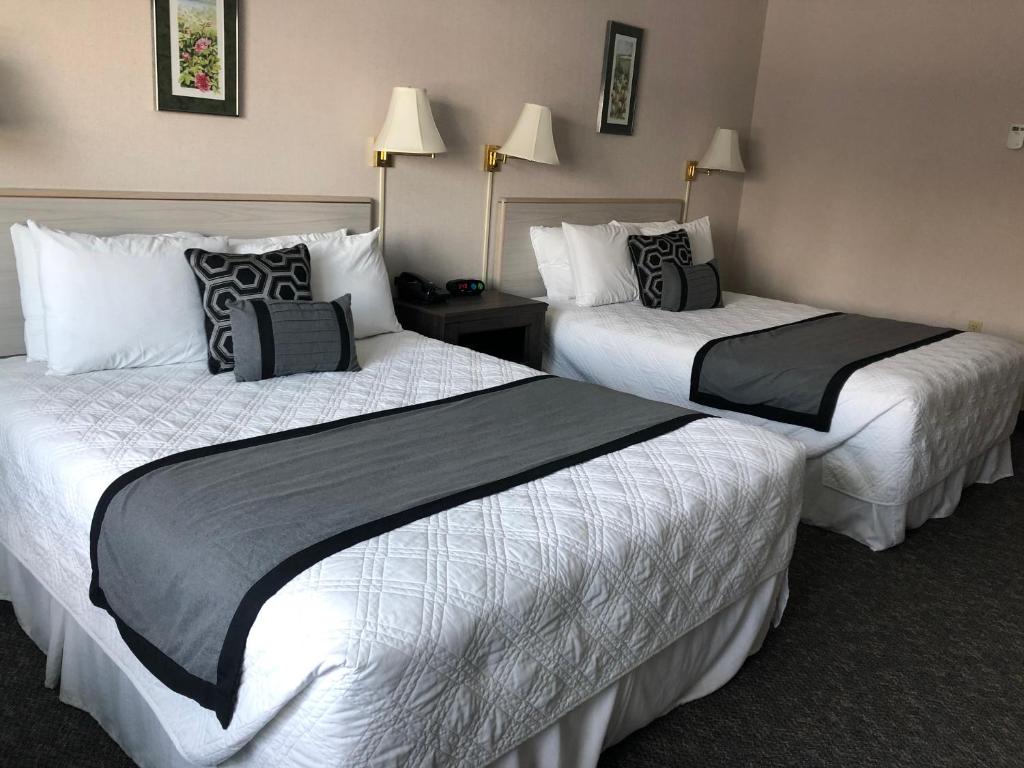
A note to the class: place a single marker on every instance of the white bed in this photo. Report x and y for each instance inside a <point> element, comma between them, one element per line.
<point>909,433</point>
<point>531,627</point>
<point>455,639</point>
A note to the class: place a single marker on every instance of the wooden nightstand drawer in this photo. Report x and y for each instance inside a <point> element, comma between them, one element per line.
<point>499,324</point>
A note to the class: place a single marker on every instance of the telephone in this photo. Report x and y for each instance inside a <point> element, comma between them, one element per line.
<point>414,288</point>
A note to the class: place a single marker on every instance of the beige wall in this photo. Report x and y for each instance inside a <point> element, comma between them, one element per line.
<point>879,176</point>
<point>76,104</point>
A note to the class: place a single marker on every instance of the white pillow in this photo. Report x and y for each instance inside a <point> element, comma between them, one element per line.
<point>699,232</point>
<point>264,244</point>
<point>340,263</point>
<point>552,254</point>
<point>601,269</point>
<point>354,264</point>
<point>649,227</point>
<point>124,302</point>
<point>26,255</point>
<point>701,245</point>
<point>27,260</point>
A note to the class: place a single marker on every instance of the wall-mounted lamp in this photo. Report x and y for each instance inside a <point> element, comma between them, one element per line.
<point>723,154</point>
<point>408,129</point>
<point>531,139</point>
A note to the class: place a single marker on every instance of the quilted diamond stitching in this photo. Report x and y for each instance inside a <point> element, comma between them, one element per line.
<point>454,638</point>
<point>901,424</point>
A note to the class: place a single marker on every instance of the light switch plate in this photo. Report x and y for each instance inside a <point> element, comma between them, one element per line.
<point>1015,138</point>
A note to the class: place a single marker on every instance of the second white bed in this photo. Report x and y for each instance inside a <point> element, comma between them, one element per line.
<point>909,432</point>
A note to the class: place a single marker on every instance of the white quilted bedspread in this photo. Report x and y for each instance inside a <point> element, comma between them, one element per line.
<point>448,641</point>
<point>901,424</point>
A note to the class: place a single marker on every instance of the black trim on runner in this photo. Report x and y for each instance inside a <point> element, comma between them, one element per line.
<point>221,698</point>
<point>820,421</point>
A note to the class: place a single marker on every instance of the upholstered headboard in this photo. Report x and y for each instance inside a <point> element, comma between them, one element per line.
<point>108,213</point>
<point>515,266</point>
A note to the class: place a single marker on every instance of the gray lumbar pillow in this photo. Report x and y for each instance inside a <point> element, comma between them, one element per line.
<point>279,338</point>
<point>690,286</point>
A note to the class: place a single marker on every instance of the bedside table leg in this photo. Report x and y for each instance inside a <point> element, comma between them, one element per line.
<point>534,342</point>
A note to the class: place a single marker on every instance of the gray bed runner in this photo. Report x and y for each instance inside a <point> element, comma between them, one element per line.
<point>793,373</point>
<point>187,549</point>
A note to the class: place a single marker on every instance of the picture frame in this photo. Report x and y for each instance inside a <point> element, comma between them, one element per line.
<point>195,54</point>
<point>621,72</point>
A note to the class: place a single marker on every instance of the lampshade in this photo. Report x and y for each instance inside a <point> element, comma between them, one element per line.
<point>409,127</point>
<point>531,139</point>
<point>723,152</point>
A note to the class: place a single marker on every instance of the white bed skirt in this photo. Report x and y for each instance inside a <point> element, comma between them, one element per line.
<point>881,526</point>
<point>697,664</point>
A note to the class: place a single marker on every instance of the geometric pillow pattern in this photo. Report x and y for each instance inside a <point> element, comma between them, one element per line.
<point>649,252</point>
<point>226,278</point>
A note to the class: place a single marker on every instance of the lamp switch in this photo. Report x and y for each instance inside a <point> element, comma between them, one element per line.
<point>1015,138</point>
<point>974,326</point>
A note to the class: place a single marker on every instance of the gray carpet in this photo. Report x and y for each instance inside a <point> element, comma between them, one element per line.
<point>912,657</point>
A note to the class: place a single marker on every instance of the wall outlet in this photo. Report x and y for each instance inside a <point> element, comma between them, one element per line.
<point>1015,138</point>
<point>974,326</point>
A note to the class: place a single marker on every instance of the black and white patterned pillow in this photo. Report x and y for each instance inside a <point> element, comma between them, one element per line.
<point>649,252</point>
<point>226,278</point>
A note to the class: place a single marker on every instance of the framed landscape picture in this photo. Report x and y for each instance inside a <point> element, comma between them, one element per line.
<point>196,56</point>
<point>622,44</point>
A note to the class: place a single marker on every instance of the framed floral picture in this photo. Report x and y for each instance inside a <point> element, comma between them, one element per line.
<point>196,56</point>
<point>617,106</point>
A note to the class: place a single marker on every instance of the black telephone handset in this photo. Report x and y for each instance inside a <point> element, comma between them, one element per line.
<point>414,288</point>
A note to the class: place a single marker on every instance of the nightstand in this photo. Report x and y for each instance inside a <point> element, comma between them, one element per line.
<point>499,324</point>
